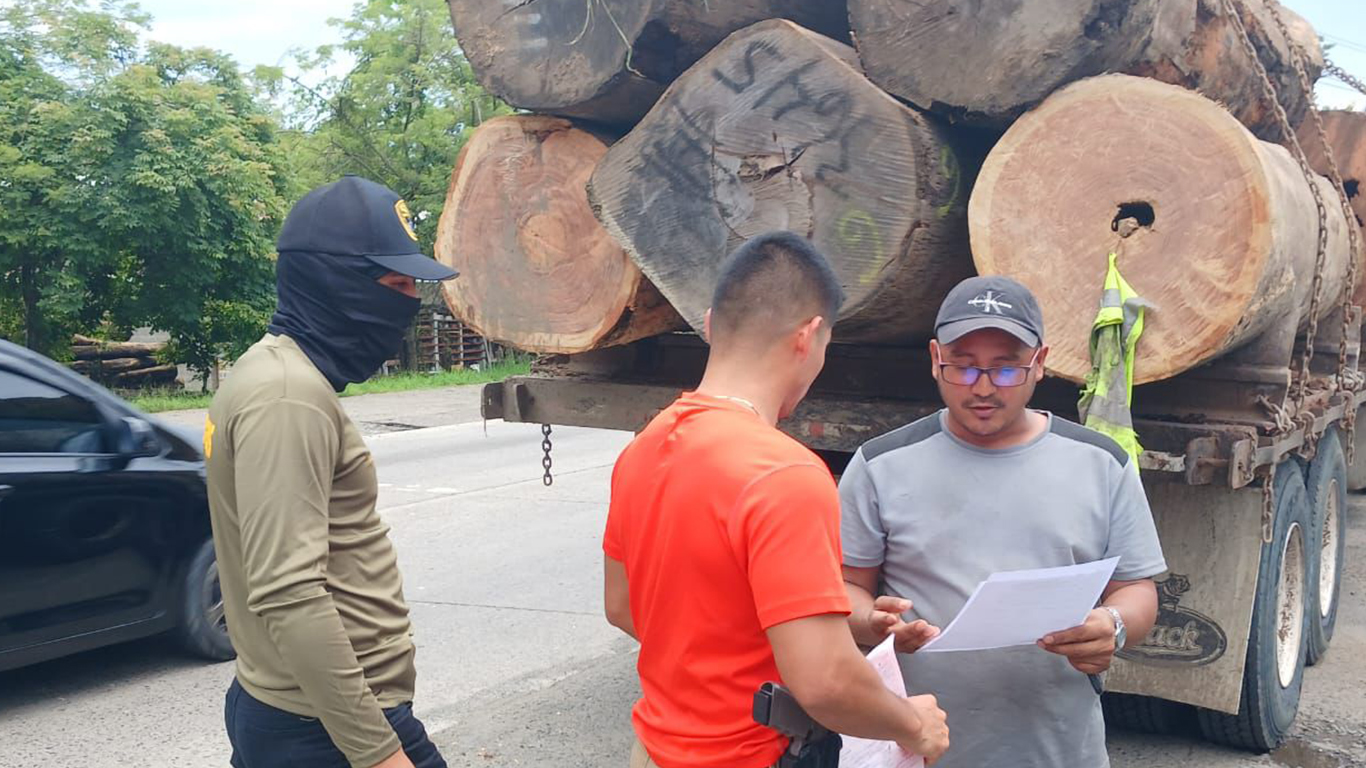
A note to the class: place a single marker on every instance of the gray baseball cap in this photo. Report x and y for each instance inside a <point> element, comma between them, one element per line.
<point>989,302</point>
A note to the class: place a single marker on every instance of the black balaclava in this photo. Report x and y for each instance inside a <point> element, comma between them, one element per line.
<point>331,306</point>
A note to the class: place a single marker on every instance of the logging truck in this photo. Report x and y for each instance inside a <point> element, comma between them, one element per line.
<point>961,137</point>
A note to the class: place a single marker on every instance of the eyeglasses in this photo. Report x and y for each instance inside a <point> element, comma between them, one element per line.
<point>1001,376</point>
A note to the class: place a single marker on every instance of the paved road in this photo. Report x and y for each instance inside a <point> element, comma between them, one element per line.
<point>516,667</point>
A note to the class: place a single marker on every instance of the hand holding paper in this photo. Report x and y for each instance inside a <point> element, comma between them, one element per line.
<point>1089,647</point>
<point>1020,607</point>
<point>869,753</point>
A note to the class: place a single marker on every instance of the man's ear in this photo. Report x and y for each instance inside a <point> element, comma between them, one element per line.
<point>936,355</point>
<point>1042,358</point>
<point>706,327</point>
<point>807,334</point>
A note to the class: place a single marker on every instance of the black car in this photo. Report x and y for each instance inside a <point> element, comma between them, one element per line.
<point>104,521</point>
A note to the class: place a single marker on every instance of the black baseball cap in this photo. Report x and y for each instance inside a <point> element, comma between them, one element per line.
<point>354,216</point>
<point>989,302</point>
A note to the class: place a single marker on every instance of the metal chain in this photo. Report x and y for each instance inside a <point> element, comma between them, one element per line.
<point>1297,57</point>
<point>548,479</point>
<point>1347,381</point>
<point>1329,68</point>
<point>1283,120</point>
<point>1268,506</point>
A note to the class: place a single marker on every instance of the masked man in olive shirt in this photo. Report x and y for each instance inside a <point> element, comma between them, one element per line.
<point>310,580</point>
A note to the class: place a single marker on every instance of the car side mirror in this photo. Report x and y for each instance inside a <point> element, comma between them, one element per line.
<point>135,438</point>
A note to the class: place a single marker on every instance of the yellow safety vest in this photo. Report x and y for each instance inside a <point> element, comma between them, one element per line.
<point>1109,390</point>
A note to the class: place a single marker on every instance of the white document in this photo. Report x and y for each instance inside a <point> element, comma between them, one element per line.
<point>868,753</point>
<point>1020,607</point>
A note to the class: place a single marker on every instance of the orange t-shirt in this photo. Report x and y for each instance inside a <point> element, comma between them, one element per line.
<point>727,527</point>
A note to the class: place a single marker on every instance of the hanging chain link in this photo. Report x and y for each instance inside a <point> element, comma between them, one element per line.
<point>548,479</point>
<point>1347,380</point>
<point>1296,151</point>
<point>1268,506</point>
<point>1329,68</point>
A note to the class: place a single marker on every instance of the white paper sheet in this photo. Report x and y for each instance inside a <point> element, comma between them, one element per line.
<point>867,753</point>
<point>1019,607</point>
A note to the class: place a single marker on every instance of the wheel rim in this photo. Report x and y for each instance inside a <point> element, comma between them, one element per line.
<point>1290,606</point>
<point>1328,555</point>
<point>214,613</point>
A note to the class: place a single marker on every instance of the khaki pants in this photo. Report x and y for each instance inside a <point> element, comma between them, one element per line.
<point>641,759</point>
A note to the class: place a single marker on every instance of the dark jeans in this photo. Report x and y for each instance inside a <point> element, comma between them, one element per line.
<point>265,737</point>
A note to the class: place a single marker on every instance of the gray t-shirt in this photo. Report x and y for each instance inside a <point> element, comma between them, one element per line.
<point>940,515</point>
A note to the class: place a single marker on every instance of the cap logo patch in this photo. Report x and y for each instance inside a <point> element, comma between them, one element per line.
<point>991,302</point>
<point>405,217</point>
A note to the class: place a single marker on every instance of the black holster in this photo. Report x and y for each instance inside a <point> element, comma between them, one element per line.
<point>812,745</point>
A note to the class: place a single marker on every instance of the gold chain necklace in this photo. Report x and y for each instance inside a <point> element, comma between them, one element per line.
<point>740,400</point>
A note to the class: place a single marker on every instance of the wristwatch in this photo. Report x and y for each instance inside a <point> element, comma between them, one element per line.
<point>1121,633</point>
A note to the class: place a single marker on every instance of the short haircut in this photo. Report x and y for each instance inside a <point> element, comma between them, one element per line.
<point>771,284</point>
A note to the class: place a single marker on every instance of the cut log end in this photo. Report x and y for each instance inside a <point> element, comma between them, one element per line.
<point>537,270</point>
<point>607,61</point>
<point>1215,209</point>
<point>986,63</point>
<point>776,129</point>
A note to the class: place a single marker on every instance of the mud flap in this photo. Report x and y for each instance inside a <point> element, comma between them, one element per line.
<point>1211,537</point>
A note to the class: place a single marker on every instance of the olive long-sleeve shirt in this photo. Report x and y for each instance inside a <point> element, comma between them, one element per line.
<point>310,580</point>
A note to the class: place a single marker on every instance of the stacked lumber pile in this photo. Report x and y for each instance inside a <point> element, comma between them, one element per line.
<point>915,143</point>
<point>121,364</point>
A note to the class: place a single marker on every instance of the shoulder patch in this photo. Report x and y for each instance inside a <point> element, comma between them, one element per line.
<point>915,432</point>
<point>1074,431</point>
<point>209,429</point>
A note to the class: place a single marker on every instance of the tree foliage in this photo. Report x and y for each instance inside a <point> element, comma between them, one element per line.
<point>142,186</point>
<point>401,112</point>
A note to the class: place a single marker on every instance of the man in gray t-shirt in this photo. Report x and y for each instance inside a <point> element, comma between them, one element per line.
<point>933,508</point>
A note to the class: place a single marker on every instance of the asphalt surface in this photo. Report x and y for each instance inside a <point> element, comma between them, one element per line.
<point>516,665</point>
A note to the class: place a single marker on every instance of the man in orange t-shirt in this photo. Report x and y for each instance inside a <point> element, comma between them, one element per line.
<point>722,542</point>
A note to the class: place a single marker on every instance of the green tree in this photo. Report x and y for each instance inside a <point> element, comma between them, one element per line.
<point>141,187</point>
<point>401,113</point>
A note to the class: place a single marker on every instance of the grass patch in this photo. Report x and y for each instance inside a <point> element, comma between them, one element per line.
<point>406,382</point>
<point>171,400</point>
<point>166,400</point>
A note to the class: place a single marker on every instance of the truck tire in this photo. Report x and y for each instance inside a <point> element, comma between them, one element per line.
<point>1356,471</point>
<point>1143,714</point>
<point>1327,487</point>
<point>1274,673</point>
<point>201,628</point>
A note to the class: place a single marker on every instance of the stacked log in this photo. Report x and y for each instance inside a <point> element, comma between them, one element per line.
<point>776,128</point>
<point>1225,249</point>
<point>608,60</point>
<point>537,270</point>
<point>1346,133</point>
<point>698,125</point>
<point>125,364</point>
<point>987,63</point>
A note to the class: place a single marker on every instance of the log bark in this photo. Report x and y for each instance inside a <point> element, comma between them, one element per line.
<point>146,377</point>
<point>96,368</point>
<point>110,350</point>
<point>537,271</point>
<point>1226,249</point>
<point>608,60</point>
<point>1347,136</point>
<point>777,129</point>
<point>988,62</point>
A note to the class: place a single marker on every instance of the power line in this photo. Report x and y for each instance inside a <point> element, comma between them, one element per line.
<point>1344,42</point>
